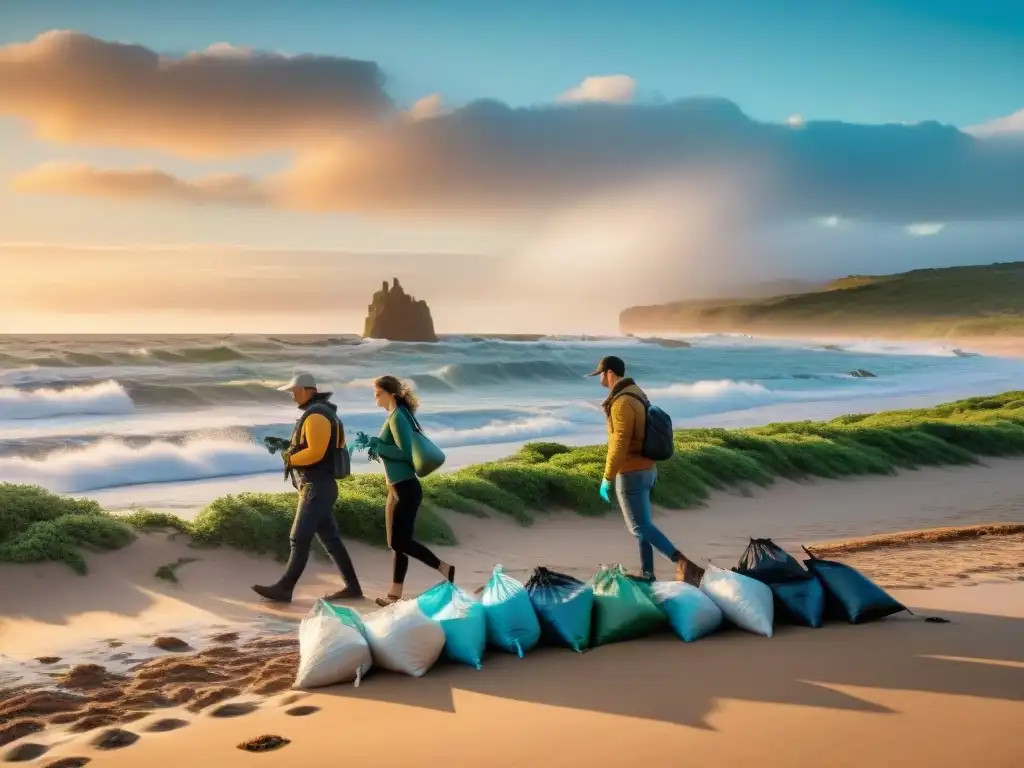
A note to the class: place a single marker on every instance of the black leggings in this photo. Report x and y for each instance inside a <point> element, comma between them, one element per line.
<point>400,518</point>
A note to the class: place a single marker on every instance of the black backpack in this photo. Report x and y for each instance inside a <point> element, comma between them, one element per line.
<point>659,441</point>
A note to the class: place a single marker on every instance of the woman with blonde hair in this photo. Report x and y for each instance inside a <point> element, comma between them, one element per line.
<point>394,447</point>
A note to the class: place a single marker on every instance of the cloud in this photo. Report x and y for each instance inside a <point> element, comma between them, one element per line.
<point>223,101</point>
<point>426,108</point>
<point>616,89</point>
<point>1011,124</point>
<point>82,180</point>
<point>490,158</point>
<point>925,229</point>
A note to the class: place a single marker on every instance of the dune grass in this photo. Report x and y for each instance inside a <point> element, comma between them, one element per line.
<point>36,525</point>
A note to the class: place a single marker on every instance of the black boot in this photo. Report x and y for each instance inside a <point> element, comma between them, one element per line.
<point>348,593</point>
<point>275,593</point>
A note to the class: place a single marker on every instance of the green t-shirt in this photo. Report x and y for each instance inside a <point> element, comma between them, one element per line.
<point>395,447</point>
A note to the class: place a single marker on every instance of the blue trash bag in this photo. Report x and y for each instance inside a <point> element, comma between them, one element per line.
<point>462,619</point>
<point>512,624</point>
<point>799,597</point>
<point>690,612</point>
<point>801,601</point>
<point>563,605</point>
<point>850,593</point>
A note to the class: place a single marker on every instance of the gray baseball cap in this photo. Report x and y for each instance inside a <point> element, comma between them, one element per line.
<point>301,380</point>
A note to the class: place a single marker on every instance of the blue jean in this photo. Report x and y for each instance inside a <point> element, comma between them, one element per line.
<point>633,490</point>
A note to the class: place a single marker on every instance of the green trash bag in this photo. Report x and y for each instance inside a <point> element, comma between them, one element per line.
<point>622,609</point>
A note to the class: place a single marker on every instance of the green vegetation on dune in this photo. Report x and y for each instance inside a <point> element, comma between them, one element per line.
<point>36,525</point>
<point>956,301</point>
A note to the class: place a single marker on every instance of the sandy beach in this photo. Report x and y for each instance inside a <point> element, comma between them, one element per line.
<point>899,692</point>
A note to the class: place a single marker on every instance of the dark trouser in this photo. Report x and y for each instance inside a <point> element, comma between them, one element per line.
<point>400,518</point>
<point>315,517</point>
<point>634,493</point>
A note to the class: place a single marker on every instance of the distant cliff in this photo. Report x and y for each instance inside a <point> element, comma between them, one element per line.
<point>955,301</point>
<point>394,314</point>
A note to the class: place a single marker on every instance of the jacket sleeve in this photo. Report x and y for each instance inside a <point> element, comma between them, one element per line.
<point>622,430</point>
<point>316,434</point>
<point>401,430</point>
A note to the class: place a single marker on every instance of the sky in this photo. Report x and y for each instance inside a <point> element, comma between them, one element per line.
<point>527,167</point>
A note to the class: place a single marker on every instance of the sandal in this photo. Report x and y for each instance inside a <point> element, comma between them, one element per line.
<point>384,602</point>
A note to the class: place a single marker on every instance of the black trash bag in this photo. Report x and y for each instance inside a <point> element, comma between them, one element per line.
<point>850,594</point>
<point>564,606</point>
<point>769,563</point>
<point>800,601</point>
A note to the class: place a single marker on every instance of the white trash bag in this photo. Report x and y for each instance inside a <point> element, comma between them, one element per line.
<point>746,602</point>
<point>403,639</point>
<point>332,647</point>
<point>690,612</point>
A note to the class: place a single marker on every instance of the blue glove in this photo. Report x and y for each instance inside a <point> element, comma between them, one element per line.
<point>606,486</point>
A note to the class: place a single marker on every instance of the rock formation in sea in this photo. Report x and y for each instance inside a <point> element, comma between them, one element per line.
<point>396,315</point>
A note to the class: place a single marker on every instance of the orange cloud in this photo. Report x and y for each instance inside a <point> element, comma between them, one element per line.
<point>82,180</point>
<point>617,89</point>
<point>224,101</point>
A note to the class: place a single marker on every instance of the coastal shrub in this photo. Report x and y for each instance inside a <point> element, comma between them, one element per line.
<point>36,525</point>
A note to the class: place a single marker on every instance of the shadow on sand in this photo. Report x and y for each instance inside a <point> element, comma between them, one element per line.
<point>661,678</point>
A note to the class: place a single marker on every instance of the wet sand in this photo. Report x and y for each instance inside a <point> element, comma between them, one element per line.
<point>900,692</point>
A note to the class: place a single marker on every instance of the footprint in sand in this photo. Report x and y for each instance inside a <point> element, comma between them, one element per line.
<point>166,725</point>
<point>115,738</point>
<point>25,752</point>
<point>264,743</point>
<point>69,762</point>
<point>301,711</point>
<point>173,644</point>
<point>291,698</point>
<point>19,730</point>
<point>234,710</point>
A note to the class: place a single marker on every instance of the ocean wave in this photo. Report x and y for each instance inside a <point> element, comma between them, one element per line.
<point>107,398</point>
<point>111,463</point>
<point>223,393</point>
<point>503,431</point>
<point>460,375</point>
<point>706,397</point>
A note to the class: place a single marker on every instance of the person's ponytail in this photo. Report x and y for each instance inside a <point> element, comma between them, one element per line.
<point>403,392</point>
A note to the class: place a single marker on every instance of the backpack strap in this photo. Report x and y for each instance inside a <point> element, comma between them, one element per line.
<point>643,400</point>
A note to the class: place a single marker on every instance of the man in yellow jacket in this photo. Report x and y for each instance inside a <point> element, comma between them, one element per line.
<point>311,466</point>
<point>632,474</point>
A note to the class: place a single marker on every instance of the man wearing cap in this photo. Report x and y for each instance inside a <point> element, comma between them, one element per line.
<point>311,466</point>
<point>632,474</point>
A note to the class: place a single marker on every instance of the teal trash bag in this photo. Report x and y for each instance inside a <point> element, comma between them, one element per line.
<point>622,609</point>
<point>800,601</point>
<point>462,619</point>
<point>690,612</point>
<point>851,594</point>
<point>512,624</point>
<point>564,605</point>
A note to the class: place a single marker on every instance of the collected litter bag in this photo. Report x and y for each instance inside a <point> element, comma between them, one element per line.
<point>690,612</point>
<point>802,601</point>
<point>799,596</point>
<point>850,593</point>
<point>512,624</point>
<point>766,561</point>
<point>403,639</point>
<point>564,605</point>
<point>744,601</point>
<point>622,609</point>
<point>332,647</point>
<point>462,619</point>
